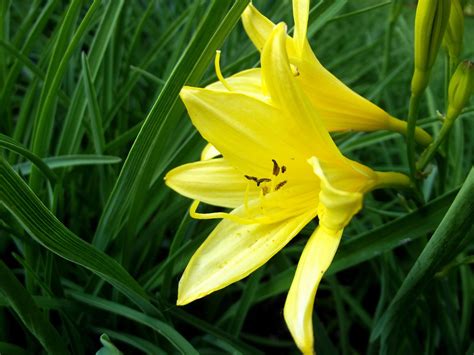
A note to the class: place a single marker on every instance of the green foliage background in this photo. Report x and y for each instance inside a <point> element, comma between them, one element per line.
<point>92,242</point>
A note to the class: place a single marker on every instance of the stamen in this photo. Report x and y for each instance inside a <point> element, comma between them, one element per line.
<point>216,215</point>
<point>280,185</point>
<point>261,199</point>
<point>259,181</point>
<point>251,178</point>
<point>218,71</point>
<point>283,169</point>
<point>276,168</point>
<point>294,70</point>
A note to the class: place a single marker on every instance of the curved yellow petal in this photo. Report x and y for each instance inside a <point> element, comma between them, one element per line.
<point>314,261</point>
<point>214,181</point>
<point>340,108</point>
<point>233,251</point>
<point>300,15</point>
<point>249,132</point>
<point>285,93</point>
<point>257,26</point>
<point>337,206</point>
<point>209,152</point>
<point>343,187</point>
<point>248,82</point>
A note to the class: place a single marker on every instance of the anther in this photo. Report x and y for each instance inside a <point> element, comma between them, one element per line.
<point>276,168</point>
<point>259,181</point>
<point>280,185</point>
<point>283,169</point>
<point>294,70</point>
<point>251,178</point>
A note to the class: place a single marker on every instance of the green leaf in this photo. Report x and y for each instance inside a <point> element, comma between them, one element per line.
<point>391,235</point>
<point>94,111</point>
<point>58,64</point>
<point>108,348</point>
<point>372,244</point>
<point>69,136</point>
<point>143,345</point>
<point>29,313</point>
<point>176,339</point>
<point>6,348</point>
<point>443,246</point>
<point>47,230</point>
<point>138,165</point>
<point>211,329</point>
<point>11,144</point>
<point>69,161</point>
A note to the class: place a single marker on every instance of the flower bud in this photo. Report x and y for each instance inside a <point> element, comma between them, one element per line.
<point>461,87</point>
<point>431,21</point>
<point>454,32</point>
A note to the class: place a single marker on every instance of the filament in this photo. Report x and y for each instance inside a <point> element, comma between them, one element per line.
<point>224,215</point>
<point>218,71</point>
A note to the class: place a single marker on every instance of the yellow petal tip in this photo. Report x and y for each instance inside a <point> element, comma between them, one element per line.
<point>181,302</point>
<point>188,91</point>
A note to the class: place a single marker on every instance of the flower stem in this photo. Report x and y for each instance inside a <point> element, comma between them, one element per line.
<point>392,180</point>
<point>420,136</point>
<point>411,125</point>
<point>429,153</point>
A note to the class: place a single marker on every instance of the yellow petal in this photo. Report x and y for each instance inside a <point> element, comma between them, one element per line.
<point>300,14</point>
<point>233,251</point>
<point>287,95</point>
<point>248,132</point>
<point>337,206</point>
<point>341,108</point>
<point>248,82</point>
<point>257,26</point>
<point>213,181</point>
<point>209,152</point>
<point>315,260</point>
<point>290,199</point>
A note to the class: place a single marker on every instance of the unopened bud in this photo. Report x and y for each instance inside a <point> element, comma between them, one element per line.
<point>454,32</point>
<point>461,87</point>
<point>431,21</point>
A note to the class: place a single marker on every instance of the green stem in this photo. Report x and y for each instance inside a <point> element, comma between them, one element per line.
<point>411,125</point>
<point>429,152</point>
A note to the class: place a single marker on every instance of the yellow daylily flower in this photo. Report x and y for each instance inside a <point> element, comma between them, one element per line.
<point>340,108</point>
<point>279,169</point>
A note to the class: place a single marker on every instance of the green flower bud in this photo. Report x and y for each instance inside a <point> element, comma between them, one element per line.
<point>431,21</point>
<point>454,32</point>
<point>461,87</point>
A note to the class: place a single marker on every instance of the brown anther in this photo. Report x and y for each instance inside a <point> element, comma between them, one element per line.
<point>283,169</point>
<point>259,181</point>
<point>276,168</point>
<point>280,185</point>
<point>251,178</point>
